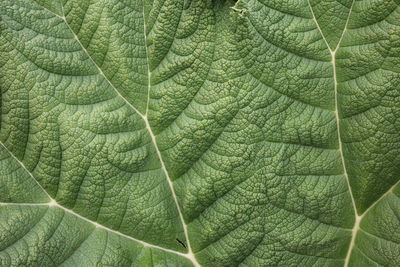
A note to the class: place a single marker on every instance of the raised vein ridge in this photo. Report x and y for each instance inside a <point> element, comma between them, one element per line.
<point>333,61</point>
<point>153,138</point>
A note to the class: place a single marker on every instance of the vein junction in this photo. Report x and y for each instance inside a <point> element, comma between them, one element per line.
<point>53,203</point>
<point>190,254</point>
<point>358,218</point>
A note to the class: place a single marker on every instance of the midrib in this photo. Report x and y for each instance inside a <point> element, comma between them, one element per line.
<point>190,254</point>
<point>358,218</point>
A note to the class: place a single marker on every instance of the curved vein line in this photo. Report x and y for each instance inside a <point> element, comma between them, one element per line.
<point>288,96</point>
<point>380,238</point>
<point>27,171</point>
<point>27,232</point>
<point>72,253</point>
<point>368,257</point>
<point>97,66</point>
<point>382,197</point>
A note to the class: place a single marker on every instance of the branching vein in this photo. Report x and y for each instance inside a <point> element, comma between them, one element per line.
<point>188,255</point>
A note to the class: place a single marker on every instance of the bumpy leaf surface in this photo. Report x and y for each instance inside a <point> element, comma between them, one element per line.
<point>200,133</point>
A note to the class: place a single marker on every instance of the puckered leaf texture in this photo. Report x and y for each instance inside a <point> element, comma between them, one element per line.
<point>200,133</point>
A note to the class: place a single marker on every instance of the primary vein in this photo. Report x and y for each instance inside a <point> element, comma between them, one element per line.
<point>337,118</point>
<point>153,138</point>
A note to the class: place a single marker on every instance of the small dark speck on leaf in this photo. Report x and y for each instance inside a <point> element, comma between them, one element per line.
<point>180,242</point>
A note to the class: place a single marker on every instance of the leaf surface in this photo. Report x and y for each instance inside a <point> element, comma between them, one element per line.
<point>205,133</point>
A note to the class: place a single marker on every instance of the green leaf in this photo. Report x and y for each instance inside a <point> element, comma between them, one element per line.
<point>199,133</point>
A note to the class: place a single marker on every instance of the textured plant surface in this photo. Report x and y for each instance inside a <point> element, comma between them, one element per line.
<point>200,132</point>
